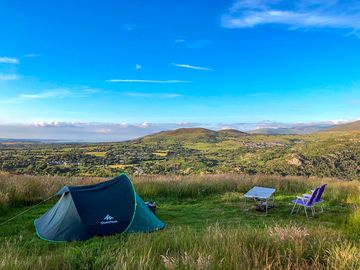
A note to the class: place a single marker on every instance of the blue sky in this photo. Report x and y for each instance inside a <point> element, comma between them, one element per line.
<point>168,62</point>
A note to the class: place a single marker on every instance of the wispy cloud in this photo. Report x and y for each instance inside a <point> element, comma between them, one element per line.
<point>138,67</point>
<point>32,55</point>
<point>104,130</point>
<point>128,27</point>
<point>88,131</point>
<point>45,95</point>
<point>53,93</point>
<point>194,44</point>
<point>191,67</point>
<point>89,90</point>
<point>179,40</point>
<point>4,77</point>
<point>147,81</point>
<point>85,131</point>
<point>304,14</point>
<point>9,60</point>
<point>152,95</point>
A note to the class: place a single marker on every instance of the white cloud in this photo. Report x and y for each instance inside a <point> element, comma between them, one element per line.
<point>144,125</point>
<point>97,132</point>
<point>104,130</point>
<point>128,27</point>
<point>138,67</point>
<point>4,77</point>
<point>151,95</point>
<point>9,60</point>
<point>171,95</point>
<point>124,124</point>
<point>32,55</point>
<point>137,94</point>
<point>303,14</point>
<point>56,124</point>
<point>191,67</point>
<point>184,123</point>
<point>89,90</point>
<point>80,92</point>
<point>75,92</point>
<point>45,95</point>
<point>147,81</point>
<point>194,44</point>
<point>180,40</point>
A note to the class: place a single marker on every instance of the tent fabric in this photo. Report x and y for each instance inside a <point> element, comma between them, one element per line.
<point>144,219</point>
<point>102,209</point>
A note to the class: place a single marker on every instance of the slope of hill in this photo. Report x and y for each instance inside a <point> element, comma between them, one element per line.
<point>232,132</point>
<point>308,129</point>
<point>195,135</point>
<point>183,132</point>
<point>194,151</point>
<point>353,126</point>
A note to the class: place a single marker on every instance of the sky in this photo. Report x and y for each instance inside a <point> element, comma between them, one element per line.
<point>123,69</point>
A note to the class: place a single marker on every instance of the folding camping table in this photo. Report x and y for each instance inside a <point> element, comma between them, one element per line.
<point>262,195</point>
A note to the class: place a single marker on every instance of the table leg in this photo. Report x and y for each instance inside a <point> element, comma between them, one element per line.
<point>266,205</point>
<point>273,200</point>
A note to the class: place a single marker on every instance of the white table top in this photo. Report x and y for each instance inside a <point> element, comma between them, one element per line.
<point>260,192</point>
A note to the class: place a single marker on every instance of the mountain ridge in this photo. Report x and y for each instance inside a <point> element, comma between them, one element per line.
<point>352,126</point>
<point>196,135</point>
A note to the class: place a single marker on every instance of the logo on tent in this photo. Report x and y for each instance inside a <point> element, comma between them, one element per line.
<point>108,220</point>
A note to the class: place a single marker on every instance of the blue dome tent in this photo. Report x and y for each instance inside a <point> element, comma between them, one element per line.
<point>106,208</point>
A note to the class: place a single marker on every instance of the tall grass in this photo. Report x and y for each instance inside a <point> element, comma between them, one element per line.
<point>216,247</point>
<point>292,246</point>
<point>195,186</point>
<point>26,190</point>
<point>18,190</point>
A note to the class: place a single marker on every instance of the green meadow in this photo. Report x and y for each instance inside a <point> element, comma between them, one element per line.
<point>208,226</point>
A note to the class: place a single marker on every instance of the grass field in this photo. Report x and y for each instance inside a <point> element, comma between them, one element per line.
<point>96,154</point>
<point>208,227</point>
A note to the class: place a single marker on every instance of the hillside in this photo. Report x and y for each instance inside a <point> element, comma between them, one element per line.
<point>353,126</point>
<point>193,151</point>
<point>183,132</point>
<point>275,131</point>
<point>195,135</point>
<point>232,133</point>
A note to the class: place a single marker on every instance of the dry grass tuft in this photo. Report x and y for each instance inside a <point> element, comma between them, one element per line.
<point>290,232</point>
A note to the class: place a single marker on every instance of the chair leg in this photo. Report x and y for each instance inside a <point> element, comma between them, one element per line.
<point>297,210</point>
<point>306,212</point>
<point>293,209</point>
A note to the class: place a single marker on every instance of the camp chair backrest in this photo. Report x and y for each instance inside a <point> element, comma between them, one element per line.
<point>320,193</point>
<point>313,196</point>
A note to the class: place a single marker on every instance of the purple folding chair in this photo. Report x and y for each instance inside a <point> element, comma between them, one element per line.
<point>306,203</point>
<point>318,200</point>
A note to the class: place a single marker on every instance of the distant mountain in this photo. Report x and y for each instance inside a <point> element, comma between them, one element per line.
<point>25,141</point>
<point>352,126</point>
<point>232,132</point>
<point>195,135</point>
<point>195,151</point>
<point>297,130</point>
<point>183,132</point>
